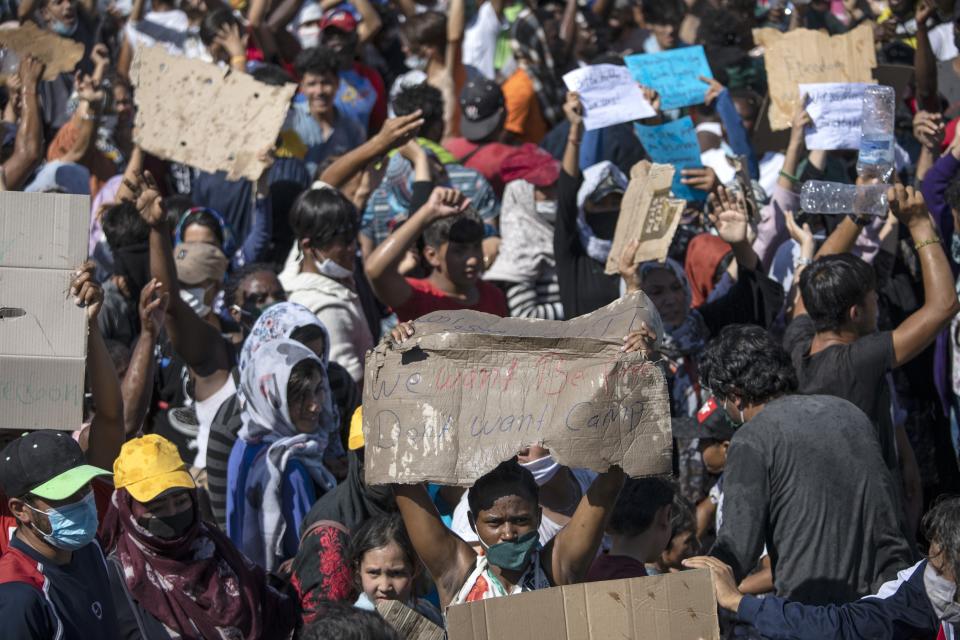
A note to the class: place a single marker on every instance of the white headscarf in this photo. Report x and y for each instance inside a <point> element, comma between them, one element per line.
<point>593,178</point>
<point>526,246</point>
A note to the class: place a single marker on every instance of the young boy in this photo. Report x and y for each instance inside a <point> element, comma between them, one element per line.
<point>683,541</point>
<point>639,530</point>
<point>452,237</point>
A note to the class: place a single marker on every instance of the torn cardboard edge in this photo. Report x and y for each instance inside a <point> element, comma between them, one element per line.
<point>59,55</point>
<point>408,622</point>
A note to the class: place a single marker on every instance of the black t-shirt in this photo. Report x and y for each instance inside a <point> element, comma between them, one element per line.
<point>856,372</point>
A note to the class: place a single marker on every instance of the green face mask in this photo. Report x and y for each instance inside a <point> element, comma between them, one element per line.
<point>513,555</point>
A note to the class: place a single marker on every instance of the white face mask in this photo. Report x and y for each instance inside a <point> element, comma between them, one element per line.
<point>547,209</point>
<point>309,36</point>
<point>195,297</point>
<point>543,469</point>
<point>941,593</point>
<point>416,63</point>
<point>332,269</point>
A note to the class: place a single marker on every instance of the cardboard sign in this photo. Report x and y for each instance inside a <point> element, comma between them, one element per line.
<point>675,74</point>
<point>471,389</point>
<point>803,56</point>
<point>674,143</point>
<point>647,213</point>
<point>836,109</point>
<point>182,101</point>
<point>609,95</point>
<point>407,622</point>
<point>43,333</point>
<point>59,55</point>
<point>673,606</point>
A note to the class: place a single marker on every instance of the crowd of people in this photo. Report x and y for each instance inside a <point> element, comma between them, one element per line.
<point>432,159</point>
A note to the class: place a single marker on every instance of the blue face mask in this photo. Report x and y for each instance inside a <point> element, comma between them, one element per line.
<point>62,29</point>
<point>71,526</point>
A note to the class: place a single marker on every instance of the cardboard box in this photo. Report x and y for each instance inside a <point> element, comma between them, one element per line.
<point>43,333</point>
<point>675,606</point>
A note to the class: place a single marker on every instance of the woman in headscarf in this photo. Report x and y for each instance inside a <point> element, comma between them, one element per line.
<point>276,468</point>
<point>172,575</point>
<point>707,264</point>
<point>525,265</point>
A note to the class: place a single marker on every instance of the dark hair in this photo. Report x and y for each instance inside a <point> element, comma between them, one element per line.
<point>236,278</point>
<point>342,621</point>
<point>379,531</point>
<point>177,205</point>
<point>319,61</point>
<point>323,216</point>
<point>203,218</point>
<point>744,360</point>
<point>664,11</point>
<point>429,28</point>
<point>833,284</point>
<point>952,194</point>
<point>274,75</point>
<point>942,525</point>
<point>300,383</point>
<point>682,517</point>
<point>308,333</point>
<point>507,479</point>
<point>638,503</point>
<point>721,28</point>
<point>426,98</point>
<point>213,22</point>
<point>464,228</point>
<point>123,226</point>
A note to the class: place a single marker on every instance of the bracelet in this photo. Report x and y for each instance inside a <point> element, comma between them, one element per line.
<point>928,241</point>
<point>791,178</point>
<point>801,261</point>
<point>238,58</point>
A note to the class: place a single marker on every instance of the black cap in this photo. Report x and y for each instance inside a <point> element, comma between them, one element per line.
<point>49,464</point>
<point>711,423</point>
<point>482,109</point>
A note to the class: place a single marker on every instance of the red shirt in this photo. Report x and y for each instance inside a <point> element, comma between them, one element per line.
<point>426,298</point>
<point>608,567</point>
<point>486,158</point>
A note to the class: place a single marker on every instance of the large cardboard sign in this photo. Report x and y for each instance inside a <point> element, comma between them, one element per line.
<point>647,214</point>
<point>472,389</point>
<point>673,606</point>
<point>59,55</point>
<point>205,116</point>
<point>803,56</point>
<point>43,333</point>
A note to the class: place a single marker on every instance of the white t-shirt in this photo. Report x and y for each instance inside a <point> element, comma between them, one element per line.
<point>942,42</point>
<point>480,41</point>
<point>206,412</point>
<point>167,28</point>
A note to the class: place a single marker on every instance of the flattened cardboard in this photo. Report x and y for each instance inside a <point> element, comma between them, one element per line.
<point>407,622</point>
<point>673,606</point>
<point>181,101</point>
<point>803,56</point>
<point>43,334</point>
<point>648,214</point>
<point>59,55</point>
<point>472,389</point>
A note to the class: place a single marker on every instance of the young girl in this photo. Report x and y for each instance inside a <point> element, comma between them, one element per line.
<point>385,566</point>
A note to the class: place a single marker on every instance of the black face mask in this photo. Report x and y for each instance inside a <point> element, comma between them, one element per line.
<point>169,527</point>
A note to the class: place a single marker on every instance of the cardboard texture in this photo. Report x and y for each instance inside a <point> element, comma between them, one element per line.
<point>43,333</point>
<point>803,56</point>
<point>407,622</point>
<point>174,107</point>
<point>647,213</point>
<point>472,389</point>
<point>674,606</point>
<point>59,55</point>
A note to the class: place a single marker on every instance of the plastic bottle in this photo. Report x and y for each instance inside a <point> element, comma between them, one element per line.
<point>9,62</point>
<point>876,133</point>
<point>843,199</point>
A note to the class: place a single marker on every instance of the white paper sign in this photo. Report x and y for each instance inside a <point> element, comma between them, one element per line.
<point>609,95</point>
<point>835,108</point>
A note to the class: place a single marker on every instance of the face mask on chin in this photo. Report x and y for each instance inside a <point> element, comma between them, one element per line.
<point>309,36</point>
<point>63,29</point>
<point>941,593</point>
<point>332,269</point>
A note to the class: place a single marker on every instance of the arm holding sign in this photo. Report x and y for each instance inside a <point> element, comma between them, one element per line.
<point>28,145</point>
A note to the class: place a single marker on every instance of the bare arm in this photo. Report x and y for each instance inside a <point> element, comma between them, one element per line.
<point>394,132</point>
<point>137,10</point>
<point>134,168</point>
<point>370,22</point>
<point>568,24</point>
<point>284,12</point>
<point>257,12</point>
<point>86,119</point>
<point>568,556</point>
<point>25,10</point>
<point>573,109</point>
<point>842,239</point>
<point>924,62</point>
<point>28,145</point>
<point>138,381</point>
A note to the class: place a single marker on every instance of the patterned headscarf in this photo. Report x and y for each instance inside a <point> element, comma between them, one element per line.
<point>527,245</point>
<point>530,48</point>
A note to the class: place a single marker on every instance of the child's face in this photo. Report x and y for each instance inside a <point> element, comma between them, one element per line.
<point>385,574</point>
<point>714,454</point>
<point>462,263</point>
<point>682,546</point>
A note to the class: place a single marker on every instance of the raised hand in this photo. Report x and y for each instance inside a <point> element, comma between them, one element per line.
<point>573,109</point>
<point>153,304</point>
<point>146,195</point>
<point>803,236</point>
<point>30,72</point>
<point>928,129</point>
<point>396,132</point>
<point>729,216</point>
<point>86,291</point>
<point>445,202</point>
<point>908,205</point>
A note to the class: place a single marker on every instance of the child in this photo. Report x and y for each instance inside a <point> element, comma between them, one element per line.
<point>639,530</point>
<point>452,246</point>
<point>683,539</point>
<point>385,566</point>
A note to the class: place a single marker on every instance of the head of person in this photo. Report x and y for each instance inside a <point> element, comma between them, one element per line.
<point>338,32</point>
<point>201,224</point>
<point>326,224</point>
<point>319,79</point>
<point>453,247</point>
<point>127,236</point>
<point>123,106</point>
<point>60,16</point>
<point>644,508</point>
<point>667,286</point>
<point>250,290</point>
<point>429,101</point>
<point>537,167</point>
<point>285,385</point>
<point>424,39</point>
<point>713,430</point>
<point>505,513</point>
<point>683,542</point>
<point>482,111</point>
<point>291,321</point>
<point>747,103</point>
<point>593,34</point>
<point>840,294</point>
<point>383,560</point>
<point>46,481</point>
<point>156,496</point>
<point>211,25</point>
<point>200,270</point>
<point>308,31</point>
<point>599,198</point>
<point>663,18</point>
<point>342,621</point>
<point>941,526</point>
<point>745,368</point>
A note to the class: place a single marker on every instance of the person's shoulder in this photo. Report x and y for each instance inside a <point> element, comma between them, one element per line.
<point>491,291</point>
<point>422,286</point>
<point>518,84</point>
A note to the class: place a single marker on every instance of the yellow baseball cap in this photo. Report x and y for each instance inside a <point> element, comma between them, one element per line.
<point>355,440</point>
<point>148,466</point>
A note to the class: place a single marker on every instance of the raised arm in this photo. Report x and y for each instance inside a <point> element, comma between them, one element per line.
<point>928,129</point>
<point>573,109</point>
<point>446,556</point>
<point>370,23</point>
<point>394,133</point>
<point>569,554</point>
<point>28,145</point>
<point>86,119</point>
<point>137,383</point>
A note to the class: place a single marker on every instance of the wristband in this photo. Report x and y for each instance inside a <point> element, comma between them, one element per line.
<point>238,58</point>
<point>792,178</point>
<point>928,241</point>
<point>801,261</point>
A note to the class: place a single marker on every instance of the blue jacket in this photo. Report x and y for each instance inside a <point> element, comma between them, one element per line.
<point>900,610</point>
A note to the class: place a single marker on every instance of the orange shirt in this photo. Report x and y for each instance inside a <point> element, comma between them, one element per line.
<point>524,118</point>
<point>100,166</point>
